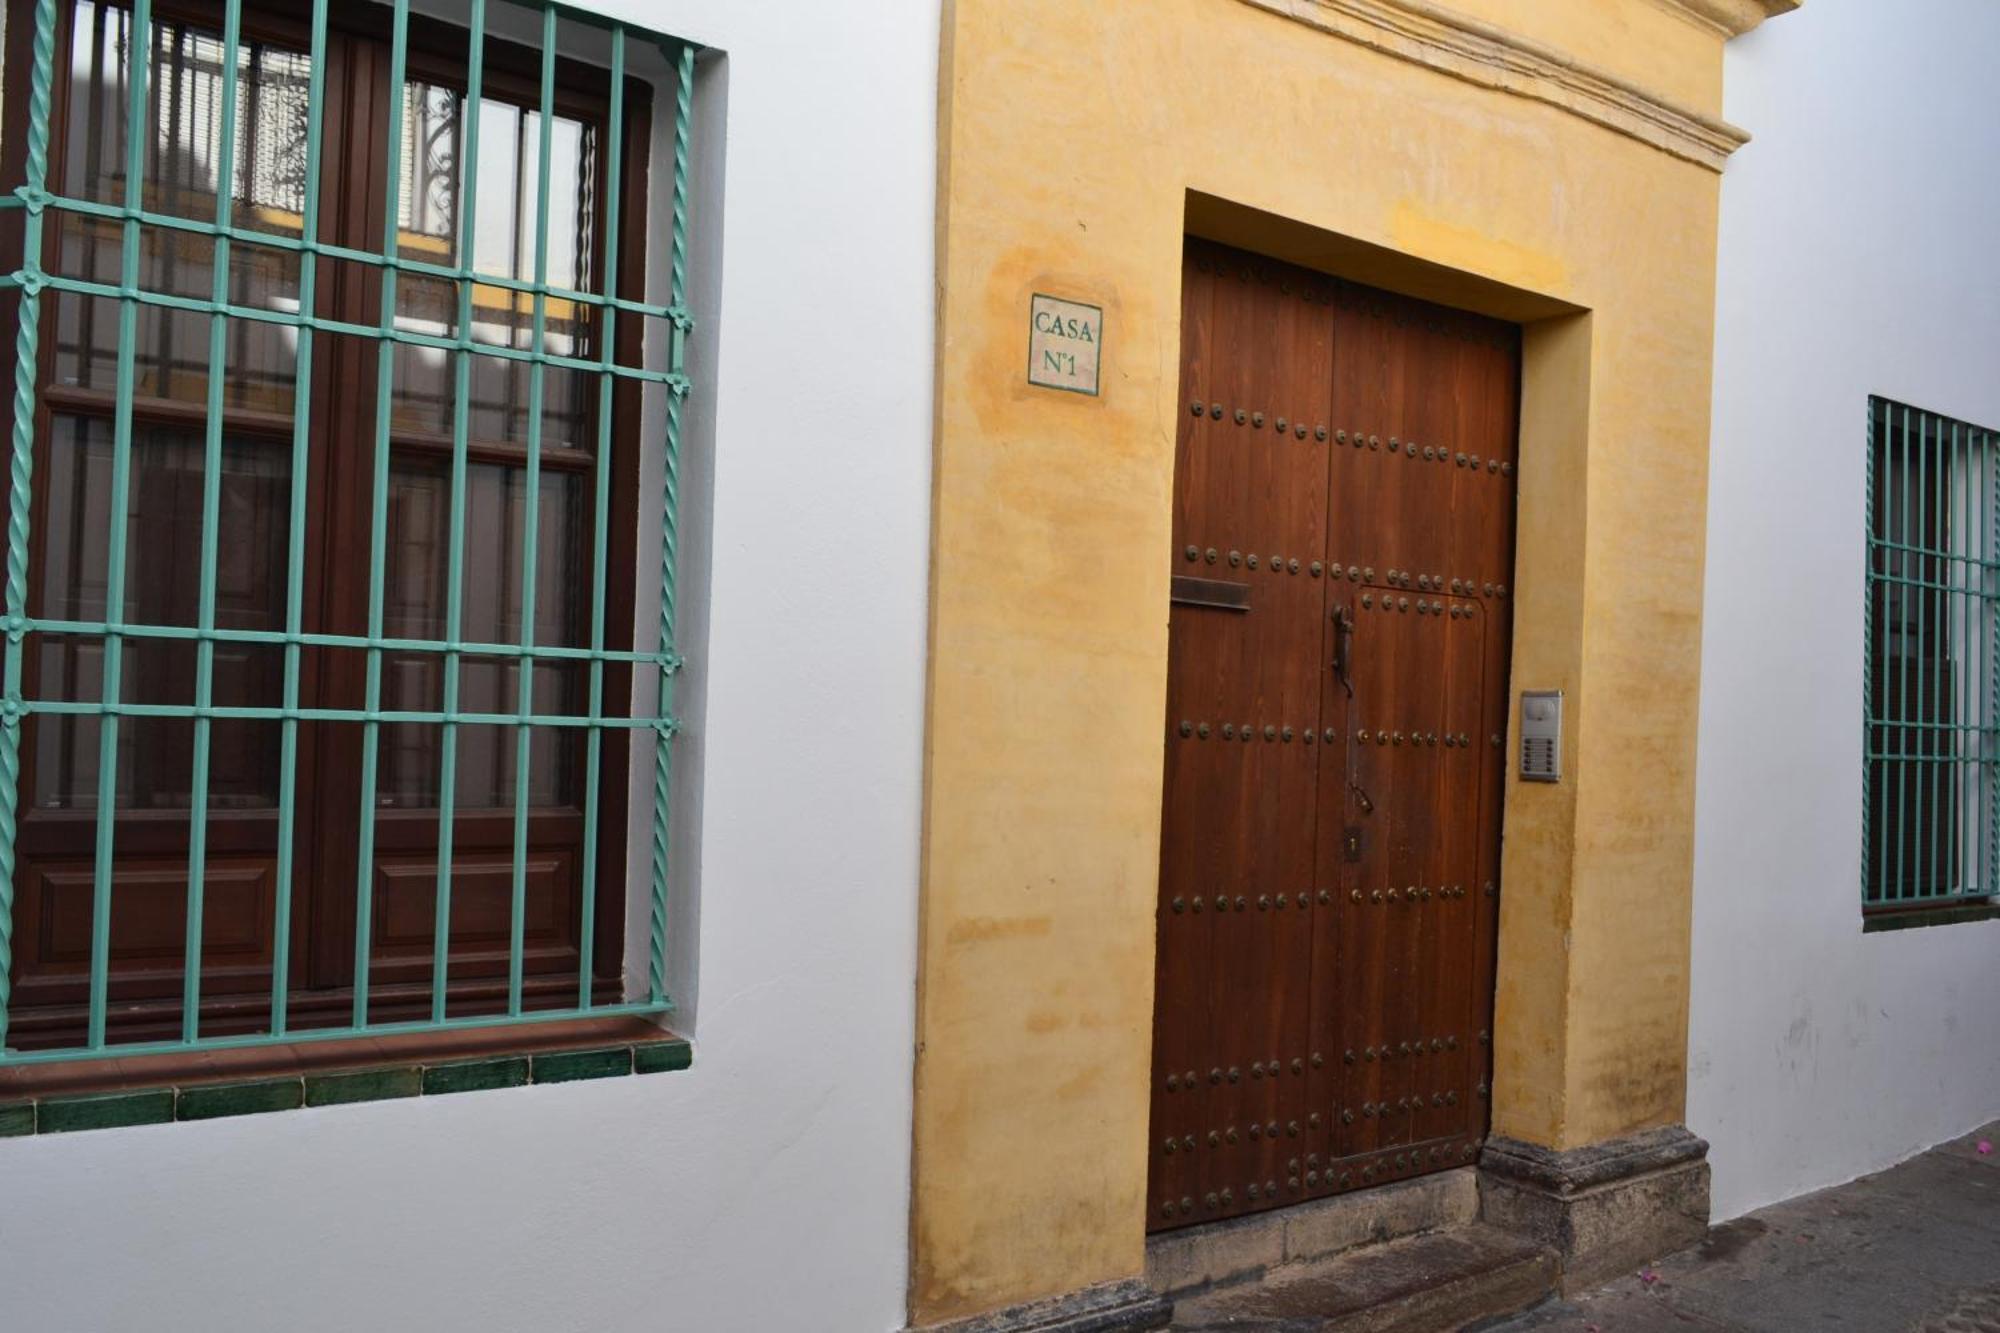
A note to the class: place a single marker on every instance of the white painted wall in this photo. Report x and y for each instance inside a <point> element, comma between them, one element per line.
<point>765,1189</point>
<point>1857,257</point>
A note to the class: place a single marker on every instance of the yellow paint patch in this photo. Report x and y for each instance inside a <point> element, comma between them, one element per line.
<point>980,929</point>
<point>1414,232</point>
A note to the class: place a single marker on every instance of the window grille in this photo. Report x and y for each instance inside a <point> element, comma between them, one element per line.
<point>437,239</point>
<point>1931,817</point>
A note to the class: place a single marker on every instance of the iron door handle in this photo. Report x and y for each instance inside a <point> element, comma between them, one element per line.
<point>1343,647</point>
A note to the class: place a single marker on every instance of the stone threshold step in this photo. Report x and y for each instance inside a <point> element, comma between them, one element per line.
<point>1444,1280</point>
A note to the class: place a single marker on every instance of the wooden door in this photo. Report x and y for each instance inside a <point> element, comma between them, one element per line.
<point>1343,537</point>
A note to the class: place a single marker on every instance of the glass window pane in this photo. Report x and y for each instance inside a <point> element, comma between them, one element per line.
<point>503,241</point>
<point>184,115</point>
<point>162,587</point>
<point>267,179</point>
<point>490,612</point>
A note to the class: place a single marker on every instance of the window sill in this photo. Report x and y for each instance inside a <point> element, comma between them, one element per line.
<point>1913,918</point>
<point>112,1093</point>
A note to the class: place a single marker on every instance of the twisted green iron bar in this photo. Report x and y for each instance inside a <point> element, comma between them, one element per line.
<point>1990,658</point>
<point>607,338</point>
<point>1870,704</point>
<point>20,488</point>
<point>670,536</point>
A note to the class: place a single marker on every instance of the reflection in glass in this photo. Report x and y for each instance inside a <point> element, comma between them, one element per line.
<point>490,612</point>
<point>162,587</point>
<point>509,211</point>
<point>180,169</point>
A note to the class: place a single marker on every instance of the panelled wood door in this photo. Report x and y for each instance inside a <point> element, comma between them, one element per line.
<point>1336,707</point>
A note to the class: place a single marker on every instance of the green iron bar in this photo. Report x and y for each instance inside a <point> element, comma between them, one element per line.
<point>468,208</point>
<point>1930,627</point>
<point>1945,853</point>
<point>138,60</point>
<point>211,533</point>
<point>278,713</point>
<point>471,647</point>
<point>295,553</point>
<point>531,524</point>
<point>607,337</point>
<point>371,332</point>
<point>1964,728</point>
<point>20,486</point>
<point>1989,646</point>
<point>31,280</point>
<point>1989,611</point>
<point>1979,562</point>
<point>378,521</point>
<point>328,250</point>
<point>1874,793</point>
<point>636,1009</point>
<point>1899,482</point>
<point>1940,586</point>
<point>670,532</point>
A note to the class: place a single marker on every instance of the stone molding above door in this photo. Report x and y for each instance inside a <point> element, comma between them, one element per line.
<point>1441,39</point>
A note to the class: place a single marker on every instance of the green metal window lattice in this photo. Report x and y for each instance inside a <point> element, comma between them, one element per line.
<point>1931,813</point>
<point>652,667</point>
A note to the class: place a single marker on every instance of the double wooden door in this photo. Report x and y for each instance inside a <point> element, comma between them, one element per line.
<point>1336,711</point>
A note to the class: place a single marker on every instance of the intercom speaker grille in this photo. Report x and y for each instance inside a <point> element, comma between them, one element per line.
<point>1541,735</point>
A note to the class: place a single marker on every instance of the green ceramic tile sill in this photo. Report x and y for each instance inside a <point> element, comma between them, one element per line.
<point>211,1101</point>
<point>507,1071</point>
<point>216,1100</point>
<point>569,1066</point>
<point>364,1085</point>
<point>110,1110</point>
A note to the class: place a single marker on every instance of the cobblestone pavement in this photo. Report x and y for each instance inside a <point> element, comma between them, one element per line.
<point>1975,1312</point>
<point>1914,1249</point>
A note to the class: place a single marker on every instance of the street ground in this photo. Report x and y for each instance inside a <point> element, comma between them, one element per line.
<point>1914,1249</point>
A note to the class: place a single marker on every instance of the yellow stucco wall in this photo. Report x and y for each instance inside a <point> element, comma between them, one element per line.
<point>1074,135</point>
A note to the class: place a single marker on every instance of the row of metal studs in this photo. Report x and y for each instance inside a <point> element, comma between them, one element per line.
<point>1355,573</point>
<point>1283,735</point>
<point>1243,903</point>
<point>1429,453</point>
<point>1403,1162</point>
<point>1422,606</point>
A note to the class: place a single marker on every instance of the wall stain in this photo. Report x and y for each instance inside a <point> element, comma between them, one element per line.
<point>1474,251</point>
<point>979,928</point>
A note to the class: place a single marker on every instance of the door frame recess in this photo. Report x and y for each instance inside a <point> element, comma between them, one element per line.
<point>1554,420</point>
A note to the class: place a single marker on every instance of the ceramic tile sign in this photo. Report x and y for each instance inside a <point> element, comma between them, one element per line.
<point>1063,342</point>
